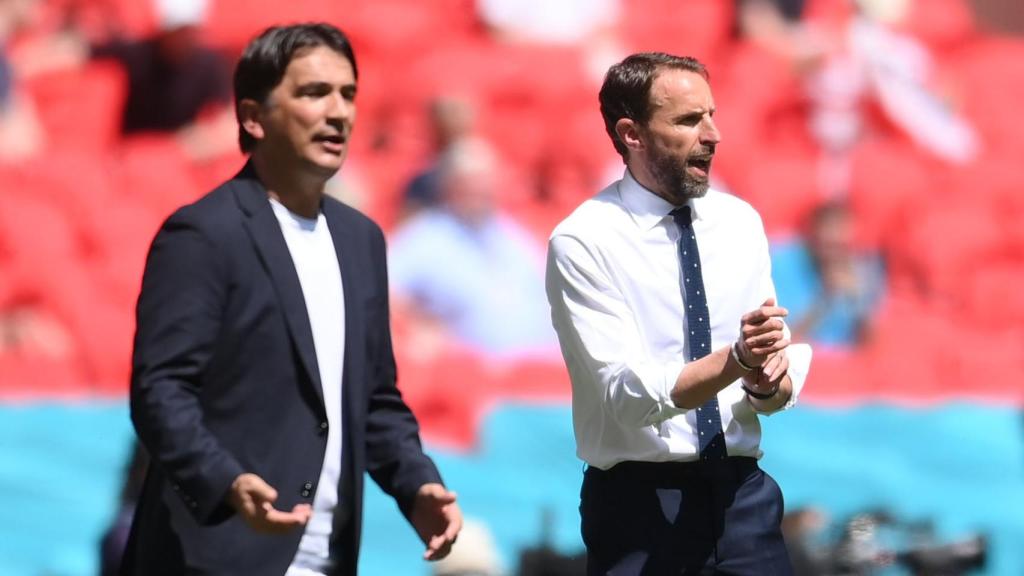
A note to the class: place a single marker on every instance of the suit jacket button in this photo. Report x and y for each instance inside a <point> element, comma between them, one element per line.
<point>323,427</point>
<point>306,493</point>
<point>307,486</point>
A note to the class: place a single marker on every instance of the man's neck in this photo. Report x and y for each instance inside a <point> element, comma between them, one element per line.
<point>644,178</point>
<point>299,193</point>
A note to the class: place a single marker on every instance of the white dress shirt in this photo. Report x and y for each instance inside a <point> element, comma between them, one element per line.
<point>614,285</point>
<point>316,262</point>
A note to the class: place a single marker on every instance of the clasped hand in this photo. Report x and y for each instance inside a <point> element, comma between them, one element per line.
<point>762,343</point>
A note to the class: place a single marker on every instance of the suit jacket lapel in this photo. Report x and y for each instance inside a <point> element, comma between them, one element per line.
<point>265,231</point>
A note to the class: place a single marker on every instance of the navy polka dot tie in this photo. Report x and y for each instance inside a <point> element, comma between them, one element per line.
<point>698,326</point>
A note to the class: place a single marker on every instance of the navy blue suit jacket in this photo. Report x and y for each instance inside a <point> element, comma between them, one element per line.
<point>225,381</point>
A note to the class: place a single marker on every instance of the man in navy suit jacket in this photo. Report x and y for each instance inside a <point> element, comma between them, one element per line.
<point>263,378</point>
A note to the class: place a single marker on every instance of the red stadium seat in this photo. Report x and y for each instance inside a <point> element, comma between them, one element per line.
<point>230,24</point>
<point>154,169</point>
<point>945,243</point>
<point>941,24</point>
<point>989,79</point>
<point>695,28</point>
<point>80,109</point>
<point>35,232</point>
<point>890,180</point>
<point>994,295</point>
<point>907,326</point>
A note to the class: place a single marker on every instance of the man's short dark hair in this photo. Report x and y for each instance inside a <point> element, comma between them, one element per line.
<point>627,88</point>
<point>266,58</point>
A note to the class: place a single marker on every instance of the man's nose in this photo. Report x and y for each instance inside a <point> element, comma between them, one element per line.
<point>340,107</point>
<point>710,134</point>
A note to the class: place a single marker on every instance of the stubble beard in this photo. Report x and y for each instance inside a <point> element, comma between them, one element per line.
<point>677,185</point>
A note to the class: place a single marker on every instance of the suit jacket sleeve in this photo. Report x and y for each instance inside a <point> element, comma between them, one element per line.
<point>395,458</point>
<point>178,320</point>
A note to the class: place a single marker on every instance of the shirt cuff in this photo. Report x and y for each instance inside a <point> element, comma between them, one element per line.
<point>799,365</point>
<point>670,375</point>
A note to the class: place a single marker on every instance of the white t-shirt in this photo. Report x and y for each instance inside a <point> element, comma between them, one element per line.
<point>316,262</point>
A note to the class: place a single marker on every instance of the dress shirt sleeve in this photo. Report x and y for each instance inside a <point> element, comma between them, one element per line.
<point>600,341</point>
<point>799,354</point>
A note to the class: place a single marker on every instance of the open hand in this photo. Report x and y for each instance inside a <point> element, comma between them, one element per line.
<point>253,499</point>
<point>437,519</point>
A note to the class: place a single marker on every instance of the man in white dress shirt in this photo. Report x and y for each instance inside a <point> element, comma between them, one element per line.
<point>662,298</point>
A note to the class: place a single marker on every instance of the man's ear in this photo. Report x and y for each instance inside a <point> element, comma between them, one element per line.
<point>250,117</point>
<point>628,132</point>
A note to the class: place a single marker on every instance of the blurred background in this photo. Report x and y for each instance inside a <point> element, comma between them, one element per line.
<point>879,139</point>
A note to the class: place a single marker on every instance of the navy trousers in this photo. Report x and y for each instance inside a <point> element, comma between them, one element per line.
<point>646,518</point>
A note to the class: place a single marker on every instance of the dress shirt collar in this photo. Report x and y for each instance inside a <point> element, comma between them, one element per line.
<point>647,208</point>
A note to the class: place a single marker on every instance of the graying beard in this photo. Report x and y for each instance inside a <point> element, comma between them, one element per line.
<point>689,187</point>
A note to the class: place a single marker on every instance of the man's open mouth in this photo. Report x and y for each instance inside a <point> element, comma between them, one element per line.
<point>702,163</point>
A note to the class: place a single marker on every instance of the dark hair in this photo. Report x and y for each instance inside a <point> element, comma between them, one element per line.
<point>627,88</point>
<point>267,56</point>
<point>822,213</point>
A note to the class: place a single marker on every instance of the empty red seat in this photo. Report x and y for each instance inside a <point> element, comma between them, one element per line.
<point>944,244</point>
<point>155,169</point>
<point>230,24</point>
<point>80,109</point>
<point>941,24</point>
<point>694,28</point>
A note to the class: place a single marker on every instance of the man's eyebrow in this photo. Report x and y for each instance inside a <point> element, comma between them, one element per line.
<point>313,85</point>
<point>327,86</point>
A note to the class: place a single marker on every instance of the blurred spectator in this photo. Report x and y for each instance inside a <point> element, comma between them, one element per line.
<point>778,25</point>
<point>545,560</point>
<point>176,84</point>
<point>452,119</point>
<point>174,81</point>
<point>899,73</point>
<point>35,343</point>
<point>830,289</point>
<point>474,554</point>
<point>27,326</point>
<point>463,269</point>
<point>853,64</point>
<point>20,133</point>
<point>801,528</point>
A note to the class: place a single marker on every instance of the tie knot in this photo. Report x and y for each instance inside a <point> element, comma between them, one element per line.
<point>682,216</point>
